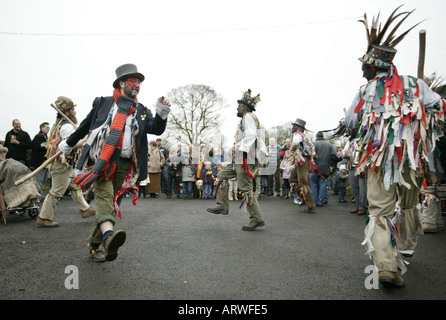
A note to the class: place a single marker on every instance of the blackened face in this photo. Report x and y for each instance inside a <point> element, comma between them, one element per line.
<point>294,128</point>
<point>241,109</point>
<point>367,72</point>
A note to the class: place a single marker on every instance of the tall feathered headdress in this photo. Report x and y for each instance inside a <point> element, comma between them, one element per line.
<point>381,48</point>
<point>248,100</point>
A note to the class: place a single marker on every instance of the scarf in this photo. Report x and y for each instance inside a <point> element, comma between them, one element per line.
<point>105,166</point>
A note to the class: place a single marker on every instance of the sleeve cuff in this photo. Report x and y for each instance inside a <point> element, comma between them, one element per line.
<point>162,110</point>
<point>64,147</point>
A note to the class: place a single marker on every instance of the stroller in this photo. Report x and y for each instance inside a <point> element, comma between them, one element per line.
<point>19,199</point>
<point>32,211</point>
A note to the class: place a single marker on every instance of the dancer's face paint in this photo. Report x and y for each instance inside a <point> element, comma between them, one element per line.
<point>133,83</point>
<point>131,87</point>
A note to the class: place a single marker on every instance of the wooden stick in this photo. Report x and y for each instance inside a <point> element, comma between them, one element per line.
<point>422,53</point>
<point>64,116</point>
<point>42,166</point>
<point>49,160</point>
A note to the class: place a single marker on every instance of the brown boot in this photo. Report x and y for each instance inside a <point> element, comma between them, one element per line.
<point>46,223</point>
<point>253,225</point>
<point>88,213</point>
<point>217,211</point>
<point>309,210</point>
<point>112,244</point>
<point>390,279</point>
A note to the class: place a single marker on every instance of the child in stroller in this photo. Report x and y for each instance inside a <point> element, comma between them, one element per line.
<point>16,199</point>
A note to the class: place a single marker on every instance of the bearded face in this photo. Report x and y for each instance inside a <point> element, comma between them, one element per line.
<point>241,110</point>
<point>71,114</point>
<point>130,87</point>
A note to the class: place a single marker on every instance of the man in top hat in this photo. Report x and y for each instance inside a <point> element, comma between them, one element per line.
<point>114,158</point>
<point>62,169</point>
<point>303,151</point>
<point>396,118</point>
<point>250,151</point>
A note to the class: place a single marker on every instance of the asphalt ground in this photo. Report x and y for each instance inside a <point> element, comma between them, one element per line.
<point>176,250</point>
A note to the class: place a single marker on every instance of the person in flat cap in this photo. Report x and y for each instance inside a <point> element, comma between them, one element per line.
<point>62,168</point>
<point>250,151</point>
<point>114,158</point>
<point>303,151</point>
<point>396,118</point>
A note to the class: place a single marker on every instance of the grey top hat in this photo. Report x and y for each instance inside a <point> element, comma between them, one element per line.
<point>127,71</point>
<point>300,123</point>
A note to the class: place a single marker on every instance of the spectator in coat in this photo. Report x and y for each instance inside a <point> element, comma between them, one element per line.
<point>18,142</point>
<point>38,153</point>
<point>188,177</point>
<point>154,168</point>
<point>325,154</point>
<point>174,174</point>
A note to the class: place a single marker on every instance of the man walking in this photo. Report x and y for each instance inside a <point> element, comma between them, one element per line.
<point>249,149</point>
<point>303,151</point>
<point>115,154</point>
<point>396,118</point>
<point>62,169</point>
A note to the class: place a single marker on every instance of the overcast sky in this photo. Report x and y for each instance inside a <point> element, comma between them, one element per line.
<point>301,56</point>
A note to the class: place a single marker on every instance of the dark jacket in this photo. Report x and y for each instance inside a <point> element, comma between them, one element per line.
<point>38,152</point>
<point>207,176</point>
<point>174,165</point>
<point>325,154</point>
<point>341,179</point>
<point>18,152</point>
<point>147,123</point>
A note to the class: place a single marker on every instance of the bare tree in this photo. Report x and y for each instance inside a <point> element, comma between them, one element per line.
<point>280,133</point>
<point>195,117</point>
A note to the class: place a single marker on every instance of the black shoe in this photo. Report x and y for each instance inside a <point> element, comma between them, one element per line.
<point>217,211</point>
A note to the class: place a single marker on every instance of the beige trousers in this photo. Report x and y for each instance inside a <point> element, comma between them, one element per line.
<point>61,175</point>
<point>431,213</point>
<point>382,204</point>
<point>244,185</point>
